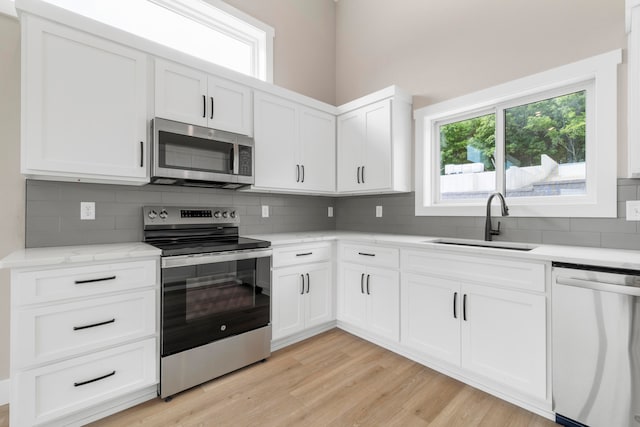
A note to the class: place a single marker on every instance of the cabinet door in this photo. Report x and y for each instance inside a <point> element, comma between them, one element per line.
<point>288,308</point>
<point>504,337</point>
<point>352,302</point>
<point>318,301</point>
<point>351,145</point>
<point>84,110</point>
<point>276,135</point>
<point>229,106</point>
<point>383,302</point>
<point>431,316</point>
<point>181,93</point>
<point>377,161</point>
<point>317,150</point>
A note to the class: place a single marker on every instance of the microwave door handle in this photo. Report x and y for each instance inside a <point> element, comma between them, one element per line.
<point>235,159</point>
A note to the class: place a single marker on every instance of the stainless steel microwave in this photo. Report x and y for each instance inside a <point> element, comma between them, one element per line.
<point>189,155</point>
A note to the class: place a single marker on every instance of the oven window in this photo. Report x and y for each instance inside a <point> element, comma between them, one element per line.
<point>192,153</point>
<point>204,303</point>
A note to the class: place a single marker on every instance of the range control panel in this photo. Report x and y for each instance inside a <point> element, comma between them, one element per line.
<point>177,215</point>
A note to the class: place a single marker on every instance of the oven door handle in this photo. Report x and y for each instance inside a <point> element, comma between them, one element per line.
<point>198,259</point>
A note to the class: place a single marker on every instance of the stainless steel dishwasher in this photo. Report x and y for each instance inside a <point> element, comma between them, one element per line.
<point>596,354</point>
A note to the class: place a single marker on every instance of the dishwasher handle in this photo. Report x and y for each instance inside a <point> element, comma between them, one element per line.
<point>598,286</point>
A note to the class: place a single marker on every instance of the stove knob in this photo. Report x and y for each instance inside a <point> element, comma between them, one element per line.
<point>164,214</point>
<point>233,214</point>
<point>225,214</point>
<point>152,214</point>
<point>216,214</point>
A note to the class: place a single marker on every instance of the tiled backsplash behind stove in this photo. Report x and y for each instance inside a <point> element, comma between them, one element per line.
<point>53,215</point>
<point>53,211</point>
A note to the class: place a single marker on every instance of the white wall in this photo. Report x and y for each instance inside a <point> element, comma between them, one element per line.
<point>11,182</point>
<point>440,49</point>
<point>304,45</point>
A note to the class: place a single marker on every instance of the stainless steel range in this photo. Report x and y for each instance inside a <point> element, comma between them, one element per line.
<point>216,294</point>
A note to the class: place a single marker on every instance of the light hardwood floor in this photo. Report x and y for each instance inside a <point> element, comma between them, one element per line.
<point>333,379</point>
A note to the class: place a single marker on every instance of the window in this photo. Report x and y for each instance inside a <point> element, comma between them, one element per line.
<point>547,142</point>
<point>210,30</point>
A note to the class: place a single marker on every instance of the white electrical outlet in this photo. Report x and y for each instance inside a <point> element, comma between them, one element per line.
<point>378,211</point>
<point>87,210</point>
<point>633,210</point>
<point>330,212</point>
<point>265,211</point>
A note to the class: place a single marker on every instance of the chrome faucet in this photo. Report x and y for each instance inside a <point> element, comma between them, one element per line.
<point>488,229</point>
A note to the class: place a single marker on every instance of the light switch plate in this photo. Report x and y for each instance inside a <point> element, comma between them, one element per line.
<point>330,212</point>
<point>633,210</point>
<point>378,211</point>
<point>87,210</point>
<point>265,211</point>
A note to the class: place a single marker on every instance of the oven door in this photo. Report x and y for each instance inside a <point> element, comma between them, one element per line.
<point>209,297</point>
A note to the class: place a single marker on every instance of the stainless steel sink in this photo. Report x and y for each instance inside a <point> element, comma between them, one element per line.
<point>484,244</point>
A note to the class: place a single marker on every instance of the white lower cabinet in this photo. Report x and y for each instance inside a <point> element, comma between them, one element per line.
<point>369,298</point>
<point>489,332</point>
<point>83,340</point>
<point>302,295</point>
<point>301,298</point>
<point>52,391</point>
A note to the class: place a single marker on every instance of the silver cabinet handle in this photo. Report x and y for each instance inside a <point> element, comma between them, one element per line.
<point>358,175</point>
<point>302,166</point>
<point>362,283</point>
<point>305,254</point>
<point>204,106</point>
<point>93,325</point>
<point>297,173</point>
<point>362,174</point>
<point>368,277</point>
<point>212,107</point>
<point>308,283</point>
<point>302,290</point>
<point>141,154</point>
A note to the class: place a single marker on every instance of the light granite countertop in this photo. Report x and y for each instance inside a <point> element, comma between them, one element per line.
<point>60,255</point>
<point>614,258</point>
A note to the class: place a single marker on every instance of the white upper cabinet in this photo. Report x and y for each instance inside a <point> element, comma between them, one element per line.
<point>84,106</point>
<point>294,146</point>
<point>191,96</point>
<point>374,143</point>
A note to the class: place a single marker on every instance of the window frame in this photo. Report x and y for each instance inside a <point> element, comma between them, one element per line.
<point>598,75</point>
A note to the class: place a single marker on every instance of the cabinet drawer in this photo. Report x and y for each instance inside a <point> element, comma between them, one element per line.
<point>377,256</point>
<point>53,391</point>
<point>299,254</point>
<point>497,272</point>
<point>62,283</point>
<point>65,330</point>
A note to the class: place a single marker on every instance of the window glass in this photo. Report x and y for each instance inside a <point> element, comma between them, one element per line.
<point>196,28</point>
<point>545,147</point>
<point>467,162</point>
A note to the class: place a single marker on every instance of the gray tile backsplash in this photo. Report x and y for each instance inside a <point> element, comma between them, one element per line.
<point>53,211</point>
<point>358,213</point>
<point>53,216</point>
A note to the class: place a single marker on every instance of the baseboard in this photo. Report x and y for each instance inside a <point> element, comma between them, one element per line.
<point>307,333</point>
<point>5,386</point>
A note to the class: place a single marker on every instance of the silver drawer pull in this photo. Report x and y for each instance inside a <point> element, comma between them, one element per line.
<point>94,379</point>
<point>365,254</point>
<point>101,279</point>
<point>305,254</point>
<point>79,328</point>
